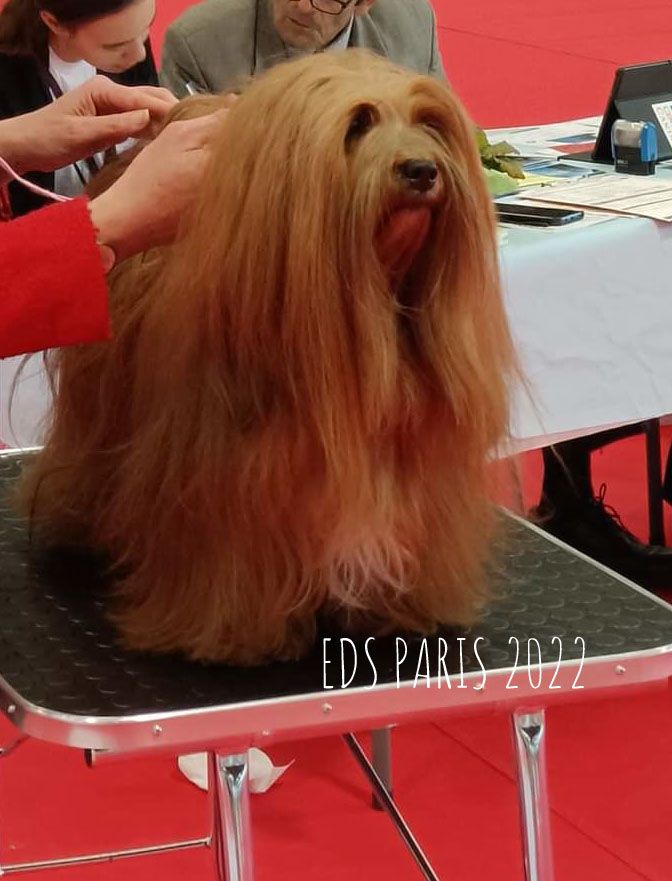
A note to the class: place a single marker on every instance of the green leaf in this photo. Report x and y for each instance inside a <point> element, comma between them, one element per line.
<point>500,157</point>
<point>503,149</point>
<point>512,168</point>
<point>499,184</point>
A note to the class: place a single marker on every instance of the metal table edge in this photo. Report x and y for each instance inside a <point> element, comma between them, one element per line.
<point>325,712</point>
<point>322,712</point>
<point>529,524</point>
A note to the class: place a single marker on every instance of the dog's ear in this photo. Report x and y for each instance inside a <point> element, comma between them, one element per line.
<point>188,108</point>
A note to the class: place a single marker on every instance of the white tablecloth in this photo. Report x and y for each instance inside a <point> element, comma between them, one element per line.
<point>591,313</point>
<point>22,425</point>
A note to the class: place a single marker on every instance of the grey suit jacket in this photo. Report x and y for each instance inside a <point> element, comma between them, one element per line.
<point>219,42</point>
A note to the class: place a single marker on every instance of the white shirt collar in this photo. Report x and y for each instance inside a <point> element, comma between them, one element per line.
<point>341,41</point>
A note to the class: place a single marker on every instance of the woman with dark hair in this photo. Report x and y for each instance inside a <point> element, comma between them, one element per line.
<point>49,47</point>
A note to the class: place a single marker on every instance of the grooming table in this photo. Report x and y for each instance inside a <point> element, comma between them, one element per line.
<point>64,678</point>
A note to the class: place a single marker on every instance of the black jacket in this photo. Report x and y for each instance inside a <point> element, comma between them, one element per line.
<point>22,90</point>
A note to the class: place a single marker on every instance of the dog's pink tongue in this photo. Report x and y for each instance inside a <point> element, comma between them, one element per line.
<point>401,238</point>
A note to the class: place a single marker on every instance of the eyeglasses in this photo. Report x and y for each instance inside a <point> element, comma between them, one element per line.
<point>331,7</point>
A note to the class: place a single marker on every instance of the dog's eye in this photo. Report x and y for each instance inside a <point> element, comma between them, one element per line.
<point>433,125</point>
<point>362,120</point>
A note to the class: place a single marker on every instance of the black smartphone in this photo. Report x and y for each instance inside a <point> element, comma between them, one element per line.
<point>536,215</point>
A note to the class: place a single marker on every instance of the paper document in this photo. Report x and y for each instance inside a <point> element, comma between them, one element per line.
<point>663,112</point>
<point>550,141</point>
<point>616,193</point>
<point>549,171</point>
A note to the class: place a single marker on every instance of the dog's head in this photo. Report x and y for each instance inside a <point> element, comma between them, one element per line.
<point>341,253</point>
<point>350,151</point>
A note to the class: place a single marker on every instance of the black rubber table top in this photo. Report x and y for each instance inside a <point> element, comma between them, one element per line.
<point>57,651</point>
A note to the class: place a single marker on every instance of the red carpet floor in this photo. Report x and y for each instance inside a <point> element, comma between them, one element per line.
<point>610,762</point>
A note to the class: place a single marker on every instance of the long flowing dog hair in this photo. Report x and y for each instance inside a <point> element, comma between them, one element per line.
<point>280,425</point>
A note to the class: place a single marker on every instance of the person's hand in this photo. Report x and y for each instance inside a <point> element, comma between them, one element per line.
<point>142,209</point>
<point>90,118</point>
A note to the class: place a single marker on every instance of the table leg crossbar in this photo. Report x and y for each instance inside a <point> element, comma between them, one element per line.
<point>385,799</point>
<point>230,839</point>
<point>15,868</point>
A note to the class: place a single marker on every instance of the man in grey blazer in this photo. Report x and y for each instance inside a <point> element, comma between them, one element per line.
<point>219,42</point>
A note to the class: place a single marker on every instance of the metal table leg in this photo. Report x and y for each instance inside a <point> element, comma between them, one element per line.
<point>529,730</point>
<point>231,840</point>
<point>381,759</point>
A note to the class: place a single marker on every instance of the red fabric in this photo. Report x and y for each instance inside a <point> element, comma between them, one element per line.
<point>52,289</point>
<point>5,207</point>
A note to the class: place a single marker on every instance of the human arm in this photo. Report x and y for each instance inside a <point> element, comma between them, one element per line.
<point>143,208</point>
<point>91,118</point>
<point>53,290</point>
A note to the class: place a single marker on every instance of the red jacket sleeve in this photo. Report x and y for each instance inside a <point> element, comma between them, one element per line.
<point>52,286</point>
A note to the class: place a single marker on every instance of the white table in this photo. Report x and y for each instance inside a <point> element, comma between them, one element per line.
<point>590,307</point>
<point>591,313</point>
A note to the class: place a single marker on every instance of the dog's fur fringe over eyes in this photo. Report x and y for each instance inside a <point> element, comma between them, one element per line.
<point>277,429</point>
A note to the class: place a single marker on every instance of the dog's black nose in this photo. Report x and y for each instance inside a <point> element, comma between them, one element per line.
<point>420,174</point>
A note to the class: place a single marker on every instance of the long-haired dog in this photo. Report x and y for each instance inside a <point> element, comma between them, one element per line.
<point>297,409</point>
